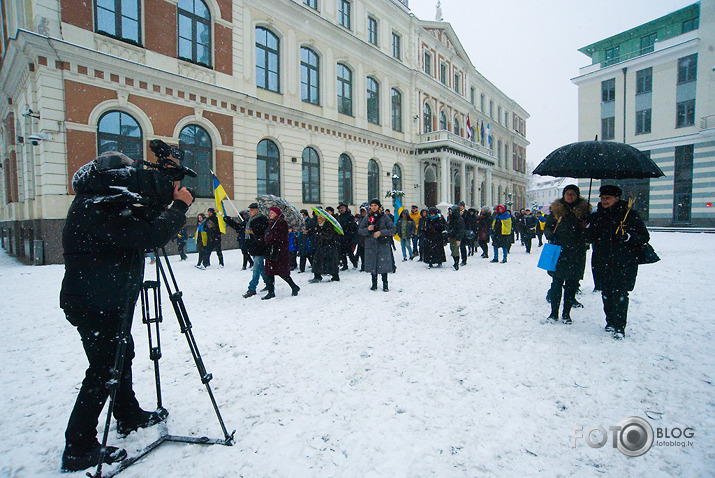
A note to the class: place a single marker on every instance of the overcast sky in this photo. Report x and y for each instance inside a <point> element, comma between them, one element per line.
<point>529,50</point>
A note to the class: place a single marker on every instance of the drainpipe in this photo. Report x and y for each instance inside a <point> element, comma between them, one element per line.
<point>625,70</point>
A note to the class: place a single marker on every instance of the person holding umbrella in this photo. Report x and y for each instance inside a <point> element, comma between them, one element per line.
<point>617,233</point>
<point>566,226</point>
<point>377,228</point>
<point>326,248</point>
<point>277,256</point>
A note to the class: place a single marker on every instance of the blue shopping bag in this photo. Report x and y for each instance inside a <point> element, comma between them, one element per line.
<point>549,257</point>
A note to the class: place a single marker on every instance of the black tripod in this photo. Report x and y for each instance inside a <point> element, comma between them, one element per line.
<point>152,317</point>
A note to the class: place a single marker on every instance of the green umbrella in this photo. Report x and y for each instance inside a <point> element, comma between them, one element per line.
<point>328,217</point>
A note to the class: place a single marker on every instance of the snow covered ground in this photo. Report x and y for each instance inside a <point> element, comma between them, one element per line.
<point>448,374</point>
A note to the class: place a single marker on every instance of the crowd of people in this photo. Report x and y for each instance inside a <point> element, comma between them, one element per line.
<point>367,240</point>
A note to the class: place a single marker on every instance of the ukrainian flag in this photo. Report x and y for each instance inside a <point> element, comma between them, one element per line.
<point>398,210</point>
<point>219,196</point>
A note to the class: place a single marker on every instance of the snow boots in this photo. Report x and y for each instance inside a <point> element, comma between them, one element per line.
<point>145,419</point>
<point>75,460</point>
<point>374,282</point>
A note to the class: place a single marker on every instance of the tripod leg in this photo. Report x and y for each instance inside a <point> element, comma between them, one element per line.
<point>155,320</point>
<point>185,325</point>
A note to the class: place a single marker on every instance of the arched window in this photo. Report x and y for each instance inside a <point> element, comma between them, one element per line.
<point>311,176</point>
<point>428,119</point>
<point>118,19</point>
<point>268,168</point>
<point>194,31</point>
<point>373,179</point>
<point>457,130</point>
<point>118,131</point>
<point>345,90</point>
<point>397,177</point>
<point>196,144</point>
<point>345,179</point>
<point>396,110</point>
<point>267,60</point>
<point>373,101</point>
<point>309,76</point>
<point>443,121</point>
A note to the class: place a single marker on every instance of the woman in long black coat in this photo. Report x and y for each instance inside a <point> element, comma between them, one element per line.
<point>565,226</point>
<point>617,235</point>
<point>433,238</point>
<point>326,250</point>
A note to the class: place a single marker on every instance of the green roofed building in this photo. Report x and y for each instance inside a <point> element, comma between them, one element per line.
<point>653,87</point>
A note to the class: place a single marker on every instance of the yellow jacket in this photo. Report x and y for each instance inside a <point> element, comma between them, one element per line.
<point>416,217</point>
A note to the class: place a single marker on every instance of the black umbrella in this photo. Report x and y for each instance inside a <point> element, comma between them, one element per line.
<point>598,160</point>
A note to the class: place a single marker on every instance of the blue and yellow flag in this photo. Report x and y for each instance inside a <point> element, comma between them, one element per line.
<point>398,208</point>
<point>220,195</point>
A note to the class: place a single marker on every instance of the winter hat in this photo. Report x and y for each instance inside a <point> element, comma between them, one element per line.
<point>276,210</point>
<point>342,204</point>
<point>253,205</point>
<point>330,209</point>
<point>571,187</point>
<point>376,201</point>
<point>455,208</point>
<point>212,210</point>
<point>610,190</point>
<point>499,209</point>
<point>462,203</point>
<point>433,210</point>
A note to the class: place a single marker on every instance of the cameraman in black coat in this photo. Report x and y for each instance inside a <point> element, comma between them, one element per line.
<point>104,240</point>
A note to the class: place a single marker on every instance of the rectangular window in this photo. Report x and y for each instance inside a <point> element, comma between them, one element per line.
<point>456,82</point>
<point>644,81</point>
<point>611,56</point>
<point>506,119</point>
<point>683,183</point>
<point>119,19</point>
<point>690,25</point>
<point>396,111</point>
<point>372,30</point>
<point>608,128</point>
<point>648,43</point>
<point>608,90</point>
<point>685,114</point>
<point>428,63</point>
<point>311,3</point>
<point>643,121</point>
<point>472,95</point>
<point>688,68</point>
<point>498,114</point>
<point>344,13</point>
<point>491,109</point>
<point>443,73</point>
<point>396,48</point>
<point>482,100</point>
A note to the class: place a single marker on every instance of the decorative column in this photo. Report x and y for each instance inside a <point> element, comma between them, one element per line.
<point>490,196</point>
<point>444,193</point>
<point>463,181</point>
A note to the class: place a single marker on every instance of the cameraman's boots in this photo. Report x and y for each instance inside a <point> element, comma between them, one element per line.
<point>384,283</point>
<point>374,282</point>
<point>76,460</point>
<point>143,420</point>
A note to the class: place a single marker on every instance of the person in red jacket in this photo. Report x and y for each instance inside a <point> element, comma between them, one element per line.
<point>277,253</point>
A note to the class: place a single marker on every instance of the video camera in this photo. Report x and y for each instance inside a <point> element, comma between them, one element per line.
<point>137,182</point>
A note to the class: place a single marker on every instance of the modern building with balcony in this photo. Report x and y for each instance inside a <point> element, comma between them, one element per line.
<point>318,101</point>
<point>653,87</point>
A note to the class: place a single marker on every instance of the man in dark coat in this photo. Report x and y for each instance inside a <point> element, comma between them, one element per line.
<point>528,232</point>
<point>255,231</point>
<point>378,230</point>
<point>104,240</point>
<point>347,240</point>
<point>240,228</point>
<point>326,250</point>
<point>617,233</point>
<point>455,233</point>
<point>213,234</point>
<point>277,254</point>
<point>484,226</point>
<point>433,238</point>
<point>565,227</point>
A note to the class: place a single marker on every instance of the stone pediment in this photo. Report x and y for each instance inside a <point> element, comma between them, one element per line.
<point>446,36</point>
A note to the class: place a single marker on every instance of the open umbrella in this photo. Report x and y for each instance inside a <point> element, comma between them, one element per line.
<point>290,213</point>
<point>598,160</point>
<point>329,217</point>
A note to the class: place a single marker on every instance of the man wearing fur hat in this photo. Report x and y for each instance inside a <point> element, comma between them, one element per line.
<point>617,233</point>
<point>565,226</point>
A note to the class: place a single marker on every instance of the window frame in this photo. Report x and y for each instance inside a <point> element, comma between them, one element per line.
<point>396,46</point>
<point>345,179</point>
<point>644,119</point>
<point>311,165</point>
<point>122,141</point>
<point>344,85</point>
<point>427,118</point>
<point>608,90</point>
<point>396,109</point>
<point>345,14</point>
<point>203,182</point>
<point>373,31</point>
<point>428,63</point>
<point>649,41</point>
<point>268,188</point>
<point>312,4</point>
<point>195,19</point>
<point>268,53</point>
<point>685,113</point>
<point>372,103</point>
<point>687,72</point>
<point>373,179</point>
<point>312,91</point>
<point>443,123</point>
<point>608,128</point>
<point>644,81</point>
<point>118,23</point>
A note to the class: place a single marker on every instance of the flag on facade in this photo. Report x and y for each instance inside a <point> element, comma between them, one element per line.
<point>219,196</point>
<point>489,135</point>
<point>469,128</point>
<point>481,132</point>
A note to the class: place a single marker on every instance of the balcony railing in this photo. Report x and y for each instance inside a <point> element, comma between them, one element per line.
<point>447,136</point>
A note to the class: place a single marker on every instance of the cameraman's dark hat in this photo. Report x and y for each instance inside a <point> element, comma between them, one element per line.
<point>253,205</point>
<point>610,190</point>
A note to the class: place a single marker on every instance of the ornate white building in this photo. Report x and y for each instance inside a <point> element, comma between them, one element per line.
<point>319,101</point>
